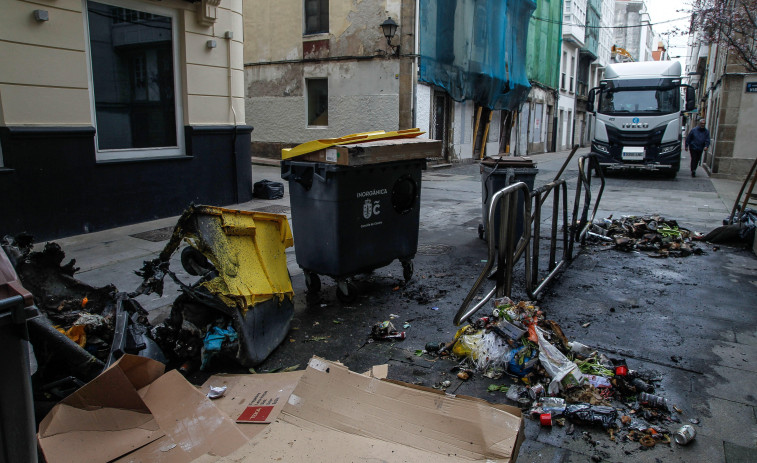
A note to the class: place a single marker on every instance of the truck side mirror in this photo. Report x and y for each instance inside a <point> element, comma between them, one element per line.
<point>590,98</point>
<point>691,99</point>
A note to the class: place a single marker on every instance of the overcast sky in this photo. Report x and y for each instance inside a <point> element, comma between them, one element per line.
<point>660,10</point>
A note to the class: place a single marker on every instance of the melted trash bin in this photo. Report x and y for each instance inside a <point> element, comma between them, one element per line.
<point>242,305</point>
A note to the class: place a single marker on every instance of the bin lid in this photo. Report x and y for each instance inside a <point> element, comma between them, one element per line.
<point>506,161</point>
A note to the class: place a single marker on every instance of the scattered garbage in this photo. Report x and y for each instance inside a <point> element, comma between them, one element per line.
<point>216,392</point>
<point>385,331</point>
<point>657,236</point>
<point>81,329</point>
<point>685,434</point>
<point>741,231</point>
<point>266,189</point>
<point>556,379</point>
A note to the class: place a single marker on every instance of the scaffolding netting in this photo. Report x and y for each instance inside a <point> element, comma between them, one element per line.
<point>476,49</point>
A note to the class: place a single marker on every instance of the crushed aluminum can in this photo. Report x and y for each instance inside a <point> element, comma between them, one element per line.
<point>685,434</point>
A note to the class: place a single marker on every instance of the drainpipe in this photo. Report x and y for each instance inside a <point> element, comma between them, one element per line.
<point>416,52</point>
<point>229,35</point>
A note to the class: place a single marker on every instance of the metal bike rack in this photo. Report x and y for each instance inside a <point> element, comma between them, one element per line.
<point>507,254</point>
<point>540,195</point>
<point>579,229</point>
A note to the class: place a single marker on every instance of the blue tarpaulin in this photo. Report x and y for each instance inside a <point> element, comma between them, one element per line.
<point>476,49</point>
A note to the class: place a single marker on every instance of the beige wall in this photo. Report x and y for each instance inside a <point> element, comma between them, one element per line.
<point>274,28</point>
<point>44,78</point>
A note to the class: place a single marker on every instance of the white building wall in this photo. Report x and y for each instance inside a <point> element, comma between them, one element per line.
<point>423,108</point>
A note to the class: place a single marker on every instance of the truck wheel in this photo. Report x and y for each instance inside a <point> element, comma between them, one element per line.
<point>674,171</point>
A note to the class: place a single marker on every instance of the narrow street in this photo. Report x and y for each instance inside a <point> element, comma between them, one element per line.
<point>690,321</point>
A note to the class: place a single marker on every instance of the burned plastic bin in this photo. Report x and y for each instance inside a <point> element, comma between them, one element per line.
<point>353,219</point>
<point>240,257</point>
<point>499,173</point>
<point>17,427</point>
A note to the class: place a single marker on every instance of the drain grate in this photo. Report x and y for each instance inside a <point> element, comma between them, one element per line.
<point>434,249</point>
<point>275,209</point>
<point>156,236</point>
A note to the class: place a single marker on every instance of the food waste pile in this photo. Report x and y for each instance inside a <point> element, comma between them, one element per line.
<point>560,382</point>
<point>655,235</point>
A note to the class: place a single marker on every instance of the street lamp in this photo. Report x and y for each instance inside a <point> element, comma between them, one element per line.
<point>389,28</point>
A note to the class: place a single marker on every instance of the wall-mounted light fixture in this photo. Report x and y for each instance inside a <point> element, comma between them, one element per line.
<point>210,44</point>
<point>41,15</point>
<point>389,28</point>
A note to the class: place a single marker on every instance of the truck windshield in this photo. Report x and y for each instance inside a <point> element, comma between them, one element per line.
<point>640,100</point>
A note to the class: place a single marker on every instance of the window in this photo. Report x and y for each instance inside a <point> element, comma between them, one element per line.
<point>316,16</point>
<point>651,101</point>
<point>318,101</point>
<point>572,71</point>
<point>133,63</point>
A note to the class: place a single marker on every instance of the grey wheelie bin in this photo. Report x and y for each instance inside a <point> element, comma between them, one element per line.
<point>18,440</point>
<point>498,173</point>
<point>353,219</point>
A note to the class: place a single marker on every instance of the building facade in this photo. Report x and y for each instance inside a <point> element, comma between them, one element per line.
<point>119,111</point>
<point>727,100</point>
<point>536,121</point>
<point>633,31</point>
<point>573,39</point>
<point>323,68</point>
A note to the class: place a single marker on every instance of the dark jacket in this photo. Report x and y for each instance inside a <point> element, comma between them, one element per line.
<point>698,139</point>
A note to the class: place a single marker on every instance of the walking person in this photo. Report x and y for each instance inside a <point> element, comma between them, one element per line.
<point>697,141</point>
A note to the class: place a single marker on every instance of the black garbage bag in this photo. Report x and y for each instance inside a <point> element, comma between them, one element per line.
<point>591,414</point>
<point>266,189</point>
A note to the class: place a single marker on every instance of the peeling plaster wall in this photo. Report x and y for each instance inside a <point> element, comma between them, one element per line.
<point>364,83</point>
<point>363,96</point>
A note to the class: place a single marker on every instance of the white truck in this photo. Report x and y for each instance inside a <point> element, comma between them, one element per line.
<point>638,116</point>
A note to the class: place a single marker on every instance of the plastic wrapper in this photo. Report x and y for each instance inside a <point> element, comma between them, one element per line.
<point>595,415</point>
<point>598,381</point>
<point>556,365</point>
<point>521,361</point>
<point>554,405</point>
<point>484,349</point>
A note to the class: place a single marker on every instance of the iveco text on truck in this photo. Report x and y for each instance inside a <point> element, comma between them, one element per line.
<point>637,122</point>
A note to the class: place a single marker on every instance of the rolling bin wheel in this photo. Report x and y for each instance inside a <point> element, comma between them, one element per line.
<point>346,291</point>
<point>407,269</point>
<point>312,282</point>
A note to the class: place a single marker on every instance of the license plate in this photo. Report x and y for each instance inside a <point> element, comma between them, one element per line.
<point>633,153</point>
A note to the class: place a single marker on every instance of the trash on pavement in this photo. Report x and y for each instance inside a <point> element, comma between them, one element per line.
<point>685,434</point>
<point>657,236</point>
<point>582,385</point>
<point>591,414</point>
<point>81,328</point>
<point>243,286</point>
<point>266,189</point>
<point>216,392</point>
<point>385,331</point>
